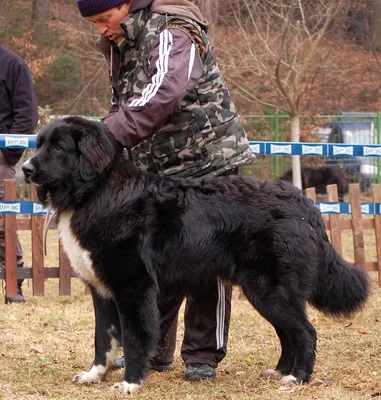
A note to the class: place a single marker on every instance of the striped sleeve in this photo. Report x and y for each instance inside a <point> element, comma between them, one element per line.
<point>175,69</point>
<point>161,66</point>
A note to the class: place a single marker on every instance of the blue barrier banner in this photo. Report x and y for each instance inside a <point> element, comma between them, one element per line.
<point>345,208</point>
<point>17,141</point>
<point>34,208</point>
<point>315,149</point>
<point>260,148</point>
<point>22,207</point>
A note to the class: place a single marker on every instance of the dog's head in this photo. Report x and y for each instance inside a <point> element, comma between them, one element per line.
<point>72,154</point>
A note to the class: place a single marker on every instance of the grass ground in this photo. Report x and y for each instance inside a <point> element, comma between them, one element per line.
<point>47,340</point>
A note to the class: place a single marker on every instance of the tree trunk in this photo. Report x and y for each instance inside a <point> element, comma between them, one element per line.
<point>295,137</point>
<point>209,9</point>
<point>40,10</point>
<point>4,8</point>
<point>375,26</point>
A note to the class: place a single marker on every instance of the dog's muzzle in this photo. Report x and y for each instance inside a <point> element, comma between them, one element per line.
<point>27,169</point>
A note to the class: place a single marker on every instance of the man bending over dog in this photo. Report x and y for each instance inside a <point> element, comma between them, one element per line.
<point>172,110</point>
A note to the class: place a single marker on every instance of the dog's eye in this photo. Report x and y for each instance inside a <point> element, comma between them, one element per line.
<point>57,148</point>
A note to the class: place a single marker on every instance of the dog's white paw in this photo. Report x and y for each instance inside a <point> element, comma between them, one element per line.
<point>125,387</point>
<point>288,382</point>
<point>271,373</point>
<point>96,374</point>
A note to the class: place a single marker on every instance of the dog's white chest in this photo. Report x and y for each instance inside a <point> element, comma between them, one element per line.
<point>80,259</point>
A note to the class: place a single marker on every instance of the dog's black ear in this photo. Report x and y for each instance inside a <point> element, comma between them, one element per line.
<point>97,147</point>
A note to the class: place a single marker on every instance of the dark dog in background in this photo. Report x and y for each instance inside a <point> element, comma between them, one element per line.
<point>137,239</point>
<point>320,177</point>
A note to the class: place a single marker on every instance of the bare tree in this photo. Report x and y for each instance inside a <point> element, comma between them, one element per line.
<point>209,9</point>
<point>40,10</point>
<point>3,8</point>
<point>285,46</point>
<point>375,27</point>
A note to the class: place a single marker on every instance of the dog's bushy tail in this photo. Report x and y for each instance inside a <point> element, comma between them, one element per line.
<point>341,289</point>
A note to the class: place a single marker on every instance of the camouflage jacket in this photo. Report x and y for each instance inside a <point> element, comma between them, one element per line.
<point>172,108</point>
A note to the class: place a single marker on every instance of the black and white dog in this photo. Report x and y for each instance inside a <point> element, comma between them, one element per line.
<point>135,236</point>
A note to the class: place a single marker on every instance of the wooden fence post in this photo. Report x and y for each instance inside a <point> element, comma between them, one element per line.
<point>10,241</point>
<point>358,233</point>
<point>311,193</point>
<point>65,273</point>
<point>38,270</point>
<point>376,191</point>
<point>334,220</point>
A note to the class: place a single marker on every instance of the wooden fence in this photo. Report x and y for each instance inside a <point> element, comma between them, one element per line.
<point>334,223</point>
<point>38,273</point>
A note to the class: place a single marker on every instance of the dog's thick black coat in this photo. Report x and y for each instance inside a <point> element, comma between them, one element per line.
<point>320,177</point>
<point>134,237</point>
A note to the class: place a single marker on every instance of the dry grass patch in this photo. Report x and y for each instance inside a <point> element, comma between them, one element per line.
<point>47,340</point>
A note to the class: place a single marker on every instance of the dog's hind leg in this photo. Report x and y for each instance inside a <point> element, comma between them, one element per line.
<point>287,358</point>
<point>107,338</point>
<point>296,334</point>
<point>302,336</point>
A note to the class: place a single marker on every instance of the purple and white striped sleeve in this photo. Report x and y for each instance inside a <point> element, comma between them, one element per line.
<point>175,69</point>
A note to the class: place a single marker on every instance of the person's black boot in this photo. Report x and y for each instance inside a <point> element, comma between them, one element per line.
<point>19,298</point>
<point>119,363</point>
<point>200,372</point>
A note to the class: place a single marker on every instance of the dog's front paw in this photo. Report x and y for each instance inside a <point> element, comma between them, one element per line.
<point>288,382</point>
<point>96,374</point>
<point>125,387</point>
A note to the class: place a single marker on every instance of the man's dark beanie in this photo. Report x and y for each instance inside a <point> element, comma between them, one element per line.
<point>91,7</point>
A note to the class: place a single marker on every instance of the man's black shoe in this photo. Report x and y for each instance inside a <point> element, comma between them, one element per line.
<point>161,367</point>
<point>199,372</point>
<point>119,363</point>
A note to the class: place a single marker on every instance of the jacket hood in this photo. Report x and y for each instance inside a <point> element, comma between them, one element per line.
<point>139,5</point>
<point>182,8</point>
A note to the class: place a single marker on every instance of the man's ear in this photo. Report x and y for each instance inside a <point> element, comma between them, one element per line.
<point>126,5</point>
